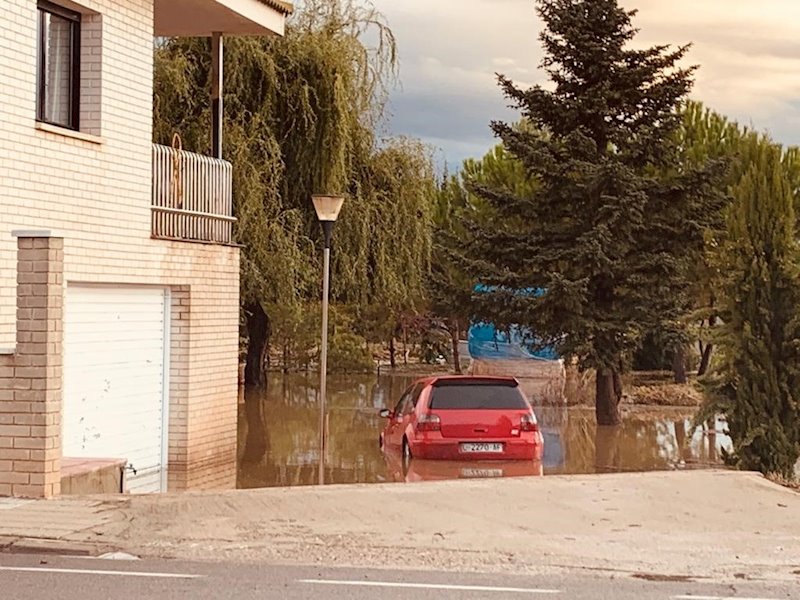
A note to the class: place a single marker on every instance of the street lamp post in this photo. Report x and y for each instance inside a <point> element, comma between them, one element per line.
<point>327,208</point>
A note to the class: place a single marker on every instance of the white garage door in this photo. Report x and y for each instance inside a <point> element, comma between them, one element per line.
<point>115,342</point>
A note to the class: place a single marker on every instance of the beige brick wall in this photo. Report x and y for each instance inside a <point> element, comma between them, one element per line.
<point>30,381</point>
<point>96,194</point>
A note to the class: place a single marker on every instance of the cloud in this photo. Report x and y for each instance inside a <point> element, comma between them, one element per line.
<point>450,51</point>
<point>748,52</point>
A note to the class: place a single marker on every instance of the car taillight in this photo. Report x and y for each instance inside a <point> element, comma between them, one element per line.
<point>529,423</point>
<point>429,422</point>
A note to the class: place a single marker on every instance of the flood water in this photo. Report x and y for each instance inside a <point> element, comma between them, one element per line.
<point>278,438</point>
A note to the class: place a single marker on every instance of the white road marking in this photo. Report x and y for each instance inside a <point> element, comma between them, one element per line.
<point>690,597</point>
<point>99,572</point>
<point>430,586</point>
<point>117,556</point>
<point>106,556</point>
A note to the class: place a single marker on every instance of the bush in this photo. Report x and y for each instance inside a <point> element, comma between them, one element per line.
<point>348,353</point>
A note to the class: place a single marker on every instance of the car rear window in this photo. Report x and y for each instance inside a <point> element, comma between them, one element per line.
<point>471,396</point>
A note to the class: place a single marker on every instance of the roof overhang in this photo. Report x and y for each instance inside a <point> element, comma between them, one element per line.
<point>201,18</point>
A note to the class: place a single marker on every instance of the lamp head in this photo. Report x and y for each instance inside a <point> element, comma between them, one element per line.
<point>327,207</point>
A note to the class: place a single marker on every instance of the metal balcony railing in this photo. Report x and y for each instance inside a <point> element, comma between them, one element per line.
<point>192,197</point>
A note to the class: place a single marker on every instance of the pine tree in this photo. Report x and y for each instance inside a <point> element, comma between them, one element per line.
<point>605,235</point>
<point>758,384</point>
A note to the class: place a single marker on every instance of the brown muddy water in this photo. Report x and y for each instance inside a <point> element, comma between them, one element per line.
<point>278,438</point>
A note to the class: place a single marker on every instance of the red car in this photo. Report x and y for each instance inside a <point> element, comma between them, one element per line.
<point>463,418</point>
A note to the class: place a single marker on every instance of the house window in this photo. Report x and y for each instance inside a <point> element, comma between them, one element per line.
<point>58,72</point>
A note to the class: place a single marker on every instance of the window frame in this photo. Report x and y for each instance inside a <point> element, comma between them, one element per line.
<point>408,401</point>
<point>400,406</point>
<point>44,7</point>
<point>415,395</point>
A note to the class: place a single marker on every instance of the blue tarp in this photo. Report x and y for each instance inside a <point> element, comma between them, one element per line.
<point>487,343</point>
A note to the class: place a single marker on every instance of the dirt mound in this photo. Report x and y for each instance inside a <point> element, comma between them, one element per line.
<point>665,394</point>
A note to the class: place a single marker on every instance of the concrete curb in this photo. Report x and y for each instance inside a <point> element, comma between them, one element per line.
<point>23,545</point>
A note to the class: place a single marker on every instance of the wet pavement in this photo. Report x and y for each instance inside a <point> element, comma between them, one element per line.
<point>278,438</point>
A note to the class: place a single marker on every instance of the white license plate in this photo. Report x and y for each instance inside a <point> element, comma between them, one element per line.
<point>473,447</point>
<point>469,473</point>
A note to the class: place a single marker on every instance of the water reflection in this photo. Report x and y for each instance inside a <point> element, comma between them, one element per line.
<point>438,470</point>
<point>278,438</point>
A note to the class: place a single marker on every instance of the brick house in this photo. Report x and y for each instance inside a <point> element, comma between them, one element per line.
<point>119,278</point>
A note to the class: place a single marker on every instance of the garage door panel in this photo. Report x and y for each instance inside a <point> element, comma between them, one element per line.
<point>99,366</point>
<point>114,365</point>
<point>100,338</point>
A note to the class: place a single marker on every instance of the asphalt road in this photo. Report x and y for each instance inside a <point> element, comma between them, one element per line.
<point>42,577</point>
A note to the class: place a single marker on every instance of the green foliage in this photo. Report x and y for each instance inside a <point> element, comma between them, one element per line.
<point>604,232</point>
<point>450,286</point>
<point>348,354</point>
<point>706,135</point>
<point>702,137</point>
<point>451,283</point>
<point>296,333</point>
<point>757,385</point>
<point>500,169</point>
<point>388,251</point>
<point>347,351</point>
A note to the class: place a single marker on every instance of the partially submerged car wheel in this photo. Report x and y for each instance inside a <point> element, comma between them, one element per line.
<point>405,458</point>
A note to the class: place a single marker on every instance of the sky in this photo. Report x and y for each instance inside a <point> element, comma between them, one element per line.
<point>450,50</point>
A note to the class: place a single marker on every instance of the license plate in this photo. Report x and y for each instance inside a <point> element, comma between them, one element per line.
<point>474,447</point>
<point>469,473</point>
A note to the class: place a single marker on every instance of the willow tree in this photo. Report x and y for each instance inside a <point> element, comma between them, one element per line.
<point>757,385</point>
<point>301,113</point>
<point>603,237</point>
<point>398,183</point>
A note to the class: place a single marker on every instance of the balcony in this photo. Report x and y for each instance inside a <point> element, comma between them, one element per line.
<point>192,197</point>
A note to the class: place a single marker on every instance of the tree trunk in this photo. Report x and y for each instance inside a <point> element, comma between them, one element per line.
<point>455,334</point>
<point>392,353</point>
<point>608,393</point>
<point>405,344</point>
<point>705,358</point>
<point>258,333</point>
<point>679,364</point>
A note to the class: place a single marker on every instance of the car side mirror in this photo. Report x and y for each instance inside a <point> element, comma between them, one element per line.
<point>385,413</point>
